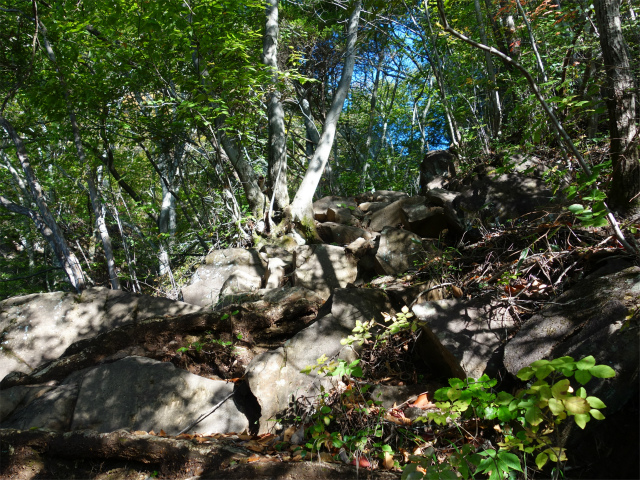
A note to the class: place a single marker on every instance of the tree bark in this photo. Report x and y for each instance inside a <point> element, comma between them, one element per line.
<point>621,104</point>
<point>301,207</point>
<point>495,115</point>
<point>231,151</point>
<point>277,146</point>
<point>96,204</point>
<point>436,66</point>
<point>45,221</point>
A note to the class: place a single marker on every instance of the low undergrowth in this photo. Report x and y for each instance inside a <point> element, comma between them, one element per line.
<point>467,429</point>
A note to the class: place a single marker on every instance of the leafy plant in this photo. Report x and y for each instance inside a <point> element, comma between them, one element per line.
<point>400,321</point>
<point>530,419</point>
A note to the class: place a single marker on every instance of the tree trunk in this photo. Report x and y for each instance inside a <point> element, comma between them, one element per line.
<point>495,114</point>
<point>621,104</point>
<point>366,153</point>
<point>96,205</point>
<point>301,208</point>
<point>438,74</point>
<point>231,151</point>
<point>45,221</point>
<point>277,146</point>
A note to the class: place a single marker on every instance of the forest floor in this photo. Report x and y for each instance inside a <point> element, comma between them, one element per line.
<point>522,266</point>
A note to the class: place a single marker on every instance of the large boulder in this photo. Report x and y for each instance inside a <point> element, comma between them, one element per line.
<point>391,215</point>
<point>134,393</point>
<point>461,337</point>
<point>504,197</point>
<point>436,167</point>
<point>320,207</point>
<point>142,394</point>
<point>225,272</point>
<point>275,377</point>
<point>322,268</point>
<point>331,232</point>
<point>429,222</point>
<point>399,250</point>
<point>598,317</point>
<point>38,328</point>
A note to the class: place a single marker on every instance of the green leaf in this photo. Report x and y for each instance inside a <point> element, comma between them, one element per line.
<point>525,373</point>
<point>534,416</point>
<point>602,371</point>
<point>583,377</point>
<point>556,406</point>
<point>586,363</point>
<point>582,419</point>
<point>511,460</point>
<point>576,208</point>
<point>560,389</point>
<point>541,460</point>
<point>595,402</point>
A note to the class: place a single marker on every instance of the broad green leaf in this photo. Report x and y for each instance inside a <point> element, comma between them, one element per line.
<point>556,406</point>
<point>582,419</point>
<point>544,371</point>
<point>511,460</point>
<point>595,402</point>
<point>586,363</point>
<point>597,414</point>
<point>525,373</point>
<point>576,208</point>
<point>561,388</point>
<point>583,377</point>
<point>534,416</point>
<point>541,460</point>
<point>602,371</point>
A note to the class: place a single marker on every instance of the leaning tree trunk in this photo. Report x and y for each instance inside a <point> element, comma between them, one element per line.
<point>45,221</point>
<point>621,104</point>
<point>301,207</point>
<point>277,146</point>
<point>96,204</point>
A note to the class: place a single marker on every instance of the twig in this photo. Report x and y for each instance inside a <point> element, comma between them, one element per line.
<point>205,415</point>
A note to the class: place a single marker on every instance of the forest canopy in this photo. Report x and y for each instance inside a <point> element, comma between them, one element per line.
<point>136,136</point>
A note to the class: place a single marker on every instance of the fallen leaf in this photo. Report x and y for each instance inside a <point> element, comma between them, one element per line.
<point>162,433</point>
<point>397,419</point>
<point>244,436</point>
<point>362,462</point>
<point>253,458</point>
<point>457,291</point>
<point>288,433</point>
<point>387,462</point>
<point>254,446</point>
<point>152,432</point>
<point>422,402</point>
<point>326,457</point>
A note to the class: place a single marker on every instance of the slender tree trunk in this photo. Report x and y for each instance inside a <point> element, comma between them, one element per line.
<point>230,151</point>
<point>495,114</point>
<point>101,225</point>
<point>438,74</point>
<point>366,154</point>
<point>277,146</point>
<point>621,103</point>
<point>44,220</point>
<point>301,207</point>
<point>98,209</point>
